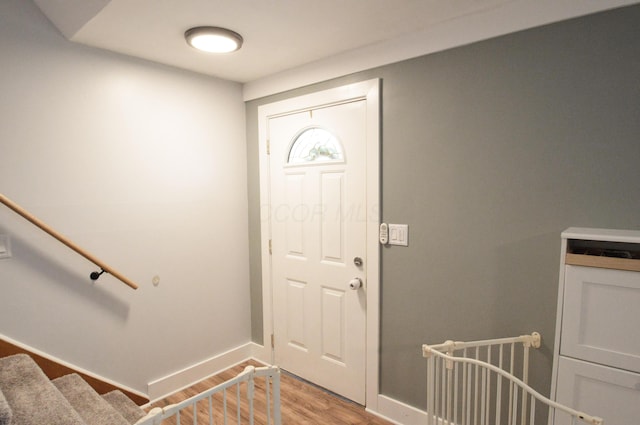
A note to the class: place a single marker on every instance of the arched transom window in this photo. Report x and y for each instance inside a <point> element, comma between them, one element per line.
<point>313,145</point>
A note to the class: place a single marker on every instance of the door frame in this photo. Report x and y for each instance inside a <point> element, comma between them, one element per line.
<point>368,91</point>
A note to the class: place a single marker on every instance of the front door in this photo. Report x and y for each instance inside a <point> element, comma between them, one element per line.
<point>318,225</point>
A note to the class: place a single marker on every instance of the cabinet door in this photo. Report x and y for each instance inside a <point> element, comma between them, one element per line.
<point>600,320</point>
<point>609,393</point>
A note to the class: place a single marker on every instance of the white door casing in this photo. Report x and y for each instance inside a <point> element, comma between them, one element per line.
<point>319,218</point>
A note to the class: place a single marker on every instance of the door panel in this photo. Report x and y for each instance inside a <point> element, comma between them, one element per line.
<point>294,232</point>
<point>296,335</point>
<point>333,314</point>
<point>332,235</point>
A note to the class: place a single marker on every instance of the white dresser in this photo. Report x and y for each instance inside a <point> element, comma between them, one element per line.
<point>596,367</point>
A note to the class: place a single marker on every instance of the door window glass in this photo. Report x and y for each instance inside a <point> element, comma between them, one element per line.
<point>315,145</point>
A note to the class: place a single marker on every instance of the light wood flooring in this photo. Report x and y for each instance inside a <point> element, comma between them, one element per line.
<point>301,403</point>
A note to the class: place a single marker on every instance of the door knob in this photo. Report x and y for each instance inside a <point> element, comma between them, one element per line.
<point>355,283</point>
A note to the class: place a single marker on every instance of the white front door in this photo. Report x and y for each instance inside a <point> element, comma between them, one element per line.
<point>318,233</point>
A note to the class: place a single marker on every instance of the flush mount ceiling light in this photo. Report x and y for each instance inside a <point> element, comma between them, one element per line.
<point>213,39</point>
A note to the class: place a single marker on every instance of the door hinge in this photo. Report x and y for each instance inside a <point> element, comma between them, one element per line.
<point>270,247</point>
<point>268,147</point>
<point>273,341</point>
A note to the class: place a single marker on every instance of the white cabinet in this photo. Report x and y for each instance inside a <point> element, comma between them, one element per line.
<point>597,349</point>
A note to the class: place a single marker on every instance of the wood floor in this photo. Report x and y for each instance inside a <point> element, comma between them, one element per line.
<point>301,404</point>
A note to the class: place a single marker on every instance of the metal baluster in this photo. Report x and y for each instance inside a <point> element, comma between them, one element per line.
<point>431,370</point>
<point>499,387</point>
<point>475,392</point>
<point>469,409</point>
<point>266,385</point>
<point>483,395</point>
<point>224,406</point>
<point>465,386</point>
<point>511,422</point>
<point>276,399</point>
<point>449,391</point>
<point>515,404</point>
<point>210,410</point>
<point>250,394</point>
<point>438,391</point>
<point>455,391</point>
<point>443,400</point>
<point>195,413</point>
<point>532,417</point>
<point>488,402</point>
<point>525,379</point>
<point>238,403</point>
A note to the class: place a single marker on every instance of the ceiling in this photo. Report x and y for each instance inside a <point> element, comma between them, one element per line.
<point>282,35</point>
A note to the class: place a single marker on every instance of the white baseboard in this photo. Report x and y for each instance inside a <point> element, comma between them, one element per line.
<point>188,376</point>
<point>399,413</point>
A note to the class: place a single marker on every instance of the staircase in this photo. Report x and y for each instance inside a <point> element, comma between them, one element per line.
<point>28,397</point>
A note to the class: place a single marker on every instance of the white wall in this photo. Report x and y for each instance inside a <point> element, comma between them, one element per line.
<point>145,167</point>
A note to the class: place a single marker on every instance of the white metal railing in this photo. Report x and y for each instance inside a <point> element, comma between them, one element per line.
<point>474,383</point>
<point>227,403</point>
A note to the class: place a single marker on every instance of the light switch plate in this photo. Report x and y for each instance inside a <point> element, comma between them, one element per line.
<point>5,247</point>
<point>399,234</point>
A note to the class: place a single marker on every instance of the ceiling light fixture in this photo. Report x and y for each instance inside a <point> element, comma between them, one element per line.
<point>213,39</point>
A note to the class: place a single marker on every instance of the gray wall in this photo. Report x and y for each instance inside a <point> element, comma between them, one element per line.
<point>489,151</point>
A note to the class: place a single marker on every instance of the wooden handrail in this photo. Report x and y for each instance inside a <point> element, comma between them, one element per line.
<point>38,223</point>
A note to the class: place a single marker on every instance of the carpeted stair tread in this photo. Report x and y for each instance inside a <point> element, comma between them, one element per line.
<point>89,404</point>
<point>123,404</point>
<point>34,400</point>
<point>5,410</point>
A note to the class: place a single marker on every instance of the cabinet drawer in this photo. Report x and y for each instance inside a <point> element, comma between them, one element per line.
<point>609,393</point>
<point>601,320</point>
